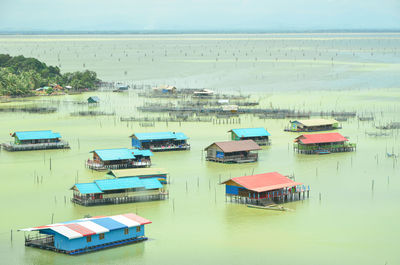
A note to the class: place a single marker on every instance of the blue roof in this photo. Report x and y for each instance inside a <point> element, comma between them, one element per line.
<point>109,223</point>
<point>99,186</point>
<point>160,136</point>
<point>251,132</point>
<point>34,135</point>
<point>138,152</point>
<point>119,183</point>
<point>115,154</point>
<point>86,188</point>
<point>151,183</point>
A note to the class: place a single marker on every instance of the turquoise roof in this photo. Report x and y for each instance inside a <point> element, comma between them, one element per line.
<point>138,152</point>
<point>86,188</point>
<point>35,135</point>
<point>115,154</point>
<point>99,186</point>
<point>151,183</point>
<point>251,132</point>
<point>119,183</point>
<point>160,136</point>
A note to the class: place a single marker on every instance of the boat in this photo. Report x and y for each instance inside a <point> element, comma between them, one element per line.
<point>269,207</point>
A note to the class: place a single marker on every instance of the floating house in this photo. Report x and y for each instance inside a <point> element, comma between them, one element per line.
<point>233,151</point>
<point>88,234</point>
<point>157,173</point>
<point>165,89</point>
<point>93,100</point>
<point>322,143</point>
<point>117,158</point>
<point>258,135</point>
<point>264,189</point>
<point>35,140</point>
<point>118,190</point>
<point>203,93</point>
<point>313,125</point>
<point>160,141</point>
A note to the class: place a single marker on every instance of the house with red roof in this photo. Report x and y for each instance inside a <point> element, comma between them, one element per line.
<point>233,151</point>
<point>323,143</point>
<point>263,188</point>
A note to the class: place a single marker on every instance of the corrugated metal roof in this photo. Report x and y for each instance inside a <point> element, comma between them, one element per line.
<point>35,135</point>
<point>119,183</point>
<point>320,138</point>
<point>237,146</point>
<point>316,122</point>
<point>109,223</point>
<point>160,136</point>
<point>138,152</point>
<point>94,225</point>
<point>86,188</point>
<point>115,154</point>
<point>151,183</point>
<point>265,182</point>
<point>250,132</point>
<point>137,172</point>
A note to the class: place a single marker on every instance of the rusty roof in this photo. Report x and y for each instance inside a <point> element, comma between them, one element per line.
<point>237,146</point>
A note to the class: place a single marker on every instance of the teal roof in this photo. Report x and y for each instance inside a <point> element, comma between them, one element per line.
<point>35,135</point>
<point>160,136</point>
<point>86,188</point>
<point>151,183</point>
<point>251,132</point>
<point>99,186</point>
<point>115,154</point>
<point>120,183</point>
<point>138,152</point>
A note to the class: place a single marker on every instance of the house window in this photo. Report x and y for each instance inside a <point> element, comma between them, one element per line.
<point>126,231</point>
<point>101,236</point>
<point>138,229</point>
<point>89,239</point>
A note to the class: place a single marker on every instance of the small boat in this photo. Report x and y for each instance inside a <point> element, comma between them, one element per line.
<point>268,207</point>
<point>322,152</point>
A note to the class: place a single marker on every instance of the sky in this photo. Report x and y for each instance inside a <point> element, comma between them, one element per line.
<point>198,15</point>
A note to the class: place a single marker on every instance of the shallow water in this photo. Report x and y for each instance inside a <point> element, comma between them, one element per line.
<point>351,224</point>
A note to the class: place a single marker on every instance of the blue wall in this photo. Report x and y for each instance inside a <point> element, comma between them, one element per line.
<point>231,189</point>
<point>62,242</point>
<point>136,143</point>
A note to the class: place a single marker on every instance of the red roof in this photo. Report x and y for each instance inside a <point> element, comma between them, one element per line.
<point>265,182</point>
<point>237,146</point>
<point>321,138</point>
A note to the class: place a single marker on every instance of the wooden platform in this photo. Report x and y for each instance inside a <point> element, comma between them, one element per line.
<point>30,147</point>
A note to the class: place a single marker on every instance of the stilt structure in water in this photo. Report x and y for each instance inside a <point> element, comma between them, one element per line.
<point>258,135</point>
<point>160,141</point>
<point>117,158</point>
<point>35,140</point>
<point>264,189</point>
<point>322,143</point>
<point>233,152</point>
<point>313,125</point>
<point>88,234</point>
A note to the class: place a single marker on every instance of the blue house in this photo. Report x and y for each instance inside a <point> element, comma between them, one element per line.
<point>35,140</point>
<point>93,99</point>
<point>88,234</point>
<point>117,158</point>
<point>160,141</point>
<point>258,135</point>
<point>118,190</point>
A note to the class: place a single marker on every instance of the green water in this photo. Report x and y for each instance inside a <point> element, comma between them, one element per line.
<point>351,224</point>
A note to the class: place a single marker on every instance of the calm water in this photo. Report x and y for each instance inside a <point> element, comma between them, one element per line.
<point>351,224</point>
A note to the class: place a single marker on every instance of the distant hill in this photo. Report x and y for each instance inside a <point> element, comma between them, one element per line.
<point>20,76</point>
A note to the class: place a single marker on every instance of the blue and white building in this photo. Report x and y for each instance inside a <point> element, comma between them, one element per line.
<point>160,141</point>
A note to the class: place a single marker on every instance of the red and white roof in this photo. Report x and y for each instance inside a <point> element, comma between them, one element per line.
<point>94,225</point>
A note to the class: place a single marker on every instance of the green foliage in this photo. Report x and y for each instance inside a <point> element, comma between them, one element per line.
<point>19,76</point>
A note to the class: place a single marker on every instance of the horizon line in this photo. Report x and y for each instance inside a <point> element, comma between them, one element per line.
<point>89,32</point>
